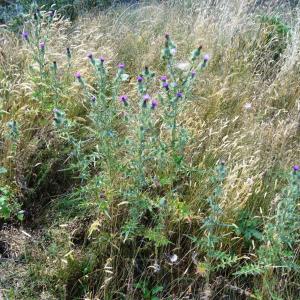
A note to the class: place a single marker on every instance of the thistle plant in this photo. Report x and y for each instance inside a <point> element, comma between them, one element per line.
<point>214,230</point>
<point>104,110</point>
<point>144,124</point>
<point>176,91</point>
<point>43,74</point>
<point>280,236</point>
<point>37,38</point>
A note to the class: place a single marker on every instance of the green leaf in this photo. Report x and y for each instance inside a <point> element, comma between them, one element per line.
<point>5,212</point>
<point>157,289</point>
<point>178,159</point>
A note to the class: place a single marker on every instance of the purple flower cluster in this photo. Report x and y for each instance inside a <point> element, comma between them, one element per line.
<point>146,99</point>
<point>165,84</point>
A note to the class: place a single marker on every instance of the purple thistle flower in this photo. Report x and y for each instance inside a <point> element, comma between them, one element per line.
<point>166,86</point>
<point>179,95</point>
<point>51,13</point>
<point>124,99</point>
<point>78,75</point>
<point>167,36</point>
<point>296,168</point>
<point>90,56</point>
<point>140,79</point>
<point>206,58</point>
<point>25,35</point>
<point>193,74</point>
<point>163,78</point>
<point>93,98</point>
<point>121,66</point>
<point>42,46</point>
<point>146,98</point>
<point>102,59</point>
<point>154,104</point>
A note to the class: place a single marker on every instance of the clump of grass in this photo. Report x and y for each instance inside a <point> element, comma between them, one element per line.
<point>121,158</point>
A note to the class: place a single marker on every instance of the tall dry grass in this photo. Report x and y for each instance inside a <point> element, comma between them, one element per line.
<point>246,110</point>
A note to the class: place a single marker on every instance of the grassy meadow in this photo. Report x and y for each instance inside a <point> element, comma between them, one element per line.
<point>151,151</point>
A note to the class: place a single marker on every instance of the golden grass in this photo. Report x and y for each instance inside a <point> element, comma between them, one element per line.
<point>257,143</point>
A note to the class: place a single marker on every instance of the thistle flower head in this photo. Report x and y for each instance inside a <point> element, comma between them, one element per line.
<point>78,75</point>
<point>42,46</point>
<point>163,78</point>
<point>179,95</point>
<point>154,104</point>
<point>193,74</point>
<point>206,58</point>
<point>93,98</point>
<point>90,56</point>
<point>296,168</point>
<point>121,66</point>
<point>51,13</point>
<point>140,79</point>
<point>166,86</point>
<point>146,97</point>
<point>124,99</point>
<point>101,59</point>
<point>25,35</point>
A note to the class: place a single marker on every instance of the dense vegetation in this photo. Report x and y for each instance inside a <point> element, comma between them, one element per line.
<point>151,152</point>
